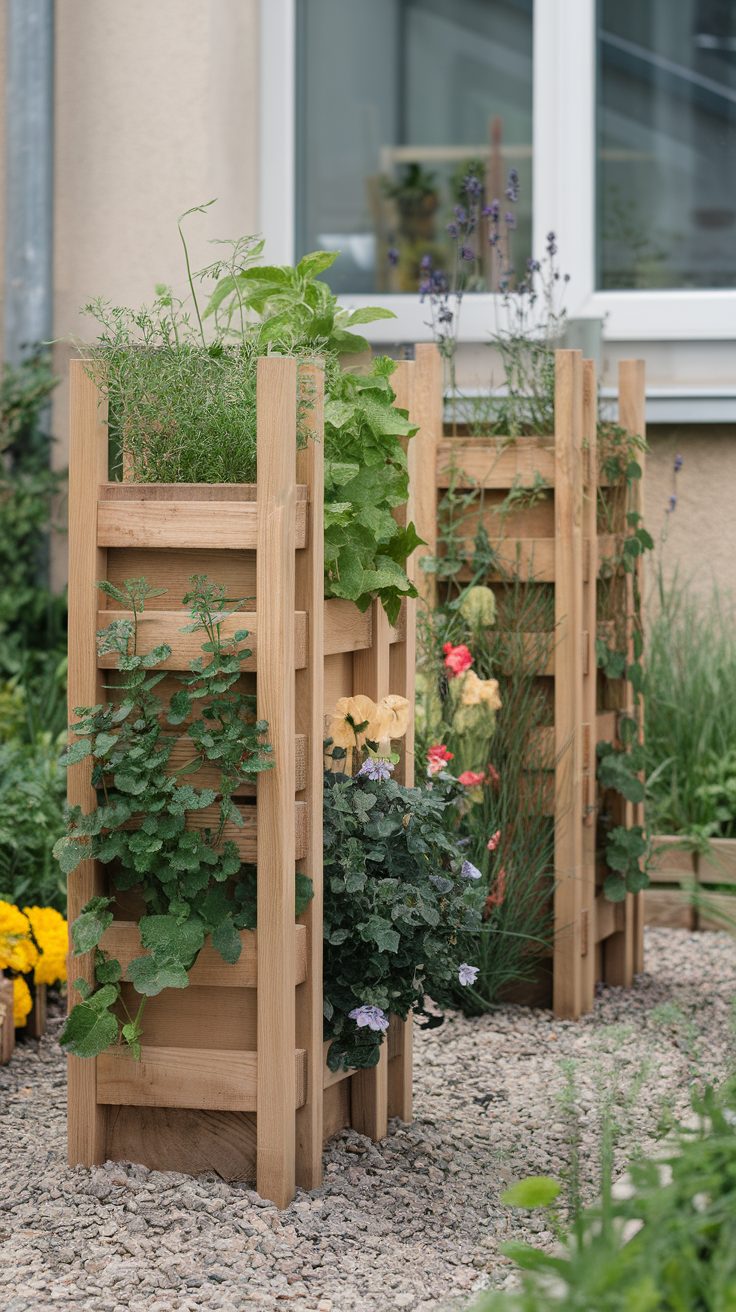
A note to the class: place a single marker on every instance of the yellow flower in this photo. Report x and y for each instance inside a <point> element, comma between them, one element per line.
<point>50,932</point>
<point>479,692</point>
<point>17,950</point>
<point>22,1001</point>
<point>478,606</point>
<point>348,712</point>
<point>396,711</point>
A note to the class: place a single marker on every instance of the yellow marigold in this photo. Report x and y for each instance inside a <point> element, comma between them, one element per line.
<point>17,950</point>
<point>22,1001</point>
<point>478,692</point>
<point>50,932</point>
<point>360,710</point>
<point>396,710</point>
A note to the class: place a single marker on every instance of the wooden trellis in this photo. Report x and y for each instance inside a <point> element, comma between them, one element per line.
<point>554,541</point>
<point>233,1074</point>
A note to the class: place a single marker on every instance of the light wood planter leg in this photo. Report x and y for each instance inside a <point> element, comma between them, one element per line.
<point>590,684</point>
<point>87,565</point>
<point>568,898</point>
<point>275,587</point>
<point>309,721</point>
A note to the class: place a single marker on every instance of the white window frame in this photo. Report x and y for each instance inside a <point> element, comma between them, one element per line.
<point>563,180</point>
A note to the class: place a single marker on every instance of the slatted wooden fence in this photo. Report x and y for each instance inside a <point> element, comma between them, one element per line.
<point>233,1074</point>
<point>557,540</point>
<point>691,890</point>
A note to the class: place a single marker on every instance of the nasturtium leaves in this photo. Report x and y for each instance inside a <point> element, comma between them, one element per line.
<point>90,925</point>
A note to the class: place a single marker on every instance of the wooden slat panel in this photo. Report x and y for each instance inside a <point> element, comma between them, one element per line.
<point>668,908</point>
<point>337,1108</point>
<point>670,862</point>
<point>165,626</point>
<point>610,917</point>
<point>191,1142</point>
<point>166,568</point>
<point>228,526</point>
<point>200,1016</point>
<point>426,412</point>
<point>122,941</point>
<point>719,865</point>
<point>526,559</point>
<point>485,462</point>
<point>536,650</point>
<point>116,491</point>
<point>243,836</point>
<point>346,628</point>
<point>200,1078</point>
<point>209,777</point>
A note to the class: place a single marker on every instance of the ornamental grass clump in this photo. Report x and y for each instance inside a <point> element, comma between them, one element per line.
<point>398,895</point>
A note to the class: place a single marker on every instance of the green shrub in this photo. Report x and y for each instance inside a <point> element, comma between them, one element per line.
<point>690,701</point>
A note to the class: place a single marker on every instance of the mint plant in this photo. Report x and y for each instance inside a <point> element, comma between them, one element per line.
<point>187,877</point>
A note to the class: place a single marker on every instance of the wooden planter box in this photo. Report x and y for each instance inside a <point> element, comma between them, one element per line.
<point>7,1023</point>
<point>556,542</point>
<point>690,891</point>
<point>233,1076</point>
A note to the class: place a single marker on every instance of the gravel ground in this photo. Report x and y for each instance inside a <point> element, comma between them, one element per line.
<point>414,1222</point>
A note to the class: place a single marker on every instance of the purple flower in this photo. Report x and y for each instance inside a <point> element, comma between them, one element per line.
<point>469,871</point>
<point>467,253</point>
<point>678,464</point>
<point>460,214</point>
<point>672,503</point>
<point>426,262</point>
<point>466,974</point>
<point>452,229</point>
<point>532,266</point>
<point>492,211</point>
<point>551,243</point>
<point>509,219</point>
<point>472,186</point>
<point>372,1018</point>
<point>376,767</point>
<point>512,186</point>
<point>392,255</point>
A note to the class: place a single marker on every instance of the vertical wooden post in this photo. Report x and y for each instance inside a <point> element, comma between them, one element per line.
<point>624,951</point>
<point>88,468</point>
<point>590,680</point>
<point>567,987</point>
<point>310,593</point>
<point>426,411</point>
<point>275,591</point>
<point>369,1088</point>
<point>402,664</point>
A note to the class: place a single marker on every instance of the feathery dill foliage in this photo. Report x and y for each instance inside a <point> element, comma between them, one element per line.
<point>180,410</point>
<point>517,926</point>
<point>690,699</point>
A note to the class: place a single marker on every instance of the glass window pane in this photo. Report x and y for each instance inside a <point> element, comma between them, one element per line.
<point>666,143</point>
<point>397,100</point>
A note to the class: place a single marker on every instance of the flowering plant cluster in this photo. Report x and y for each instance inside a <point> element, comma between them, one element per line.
<point>398,893</point>
<point>33,945</point>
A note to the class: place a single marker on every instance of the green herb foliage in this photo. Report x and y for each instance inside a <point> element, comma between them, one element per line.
<point>681,1256</point>
<point>187,876</point>
<point>396,906</point>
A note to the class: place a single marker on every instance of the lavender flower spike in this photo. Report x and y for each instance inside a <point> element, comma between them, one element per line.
<point>371,1018</point>
<point>376,767</point>
<point>467,974</point>
<point>469,871</point>
<point>678,463</point>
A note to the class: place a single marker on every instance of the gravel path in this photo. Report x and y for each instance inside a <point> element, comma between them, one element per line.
<point>412,1223</point>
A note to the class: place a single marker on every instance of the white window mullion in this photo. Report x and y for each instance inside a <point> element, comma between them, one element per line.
<point>277,135</point>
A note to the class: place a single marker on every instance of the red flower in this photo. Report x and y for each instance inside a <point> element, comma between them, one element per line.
<point>494,841</point>
<point>457,659</point>
<point>471,778</point>
<point>438,757</point>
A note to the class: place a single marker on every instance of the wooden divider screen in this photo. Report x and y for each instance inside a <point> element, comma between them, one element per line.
<point>233,1076</point>
<point>555,541</point>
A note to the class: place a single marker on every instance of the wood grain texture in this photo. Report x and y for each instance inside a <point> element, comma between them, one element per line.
<point>88,468</point>
<point>309,692</point>
<point>568,896</point>
<point>191,1142</point>
<point>495,462</point>
<point>228,526</point>
<point>200,1016</point>
<point>36,1019</point>
<point>122,941</point>
<point>199,1078</point>
<point>7,1024</point>
<point>275,565</point>
<point>243,836</point>
<point>172,569</point>
<point>346,628</point>
<point>166,626</point>
<point>589,620</point>
<point>209,777</point>
<point>337,1104</point>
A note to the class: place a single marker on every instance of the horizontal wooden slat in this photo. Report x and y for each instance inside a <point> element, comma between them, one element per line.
<point>183,1140</point>
<point>530,560</point>
<point>668,908</point>
<point>172,570</point>
<point>116,491</point>
<point>535,651</point>
<point>201,1078</point>
<point>346,628</point>
<point>718,866</point>
<point>486,462</point>
<point>122,941</point>
<point>540,753</point>
<point>165,626</point>
<point>243,836</point>
<point>606,730</point>
<point>209,777</point>
<point>610,917</point>
<point>200,1016</point>
<point>670,861</point>
<point>224,525</point>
